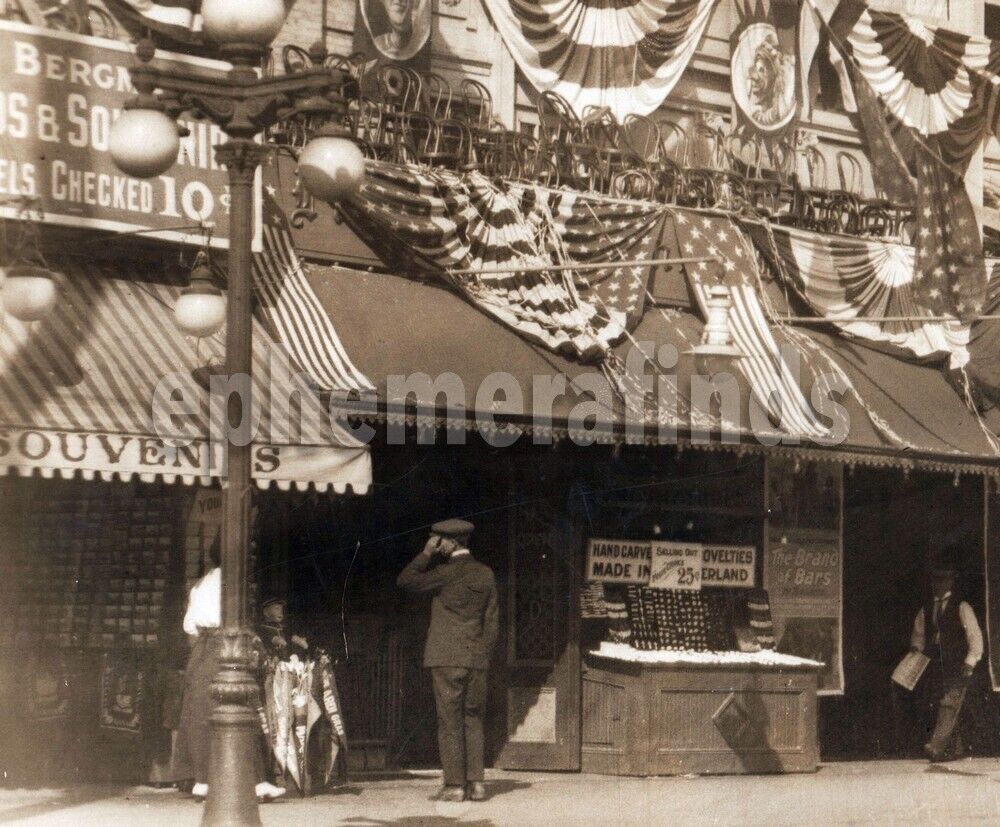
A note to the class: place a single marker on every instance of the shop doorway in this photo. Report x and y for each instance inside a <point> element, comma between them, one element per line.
<point>891,523</point>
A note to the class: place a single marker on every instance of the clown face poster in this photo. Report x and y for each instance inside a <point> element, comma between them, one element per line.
<point>763,63</point>
<point>394,31</point>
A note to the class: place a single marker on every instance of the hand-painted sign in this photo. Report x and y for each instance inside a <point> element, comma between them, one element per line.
<point>676,566</point>
<point>618,561</point>
<point>728,566</point>
<point>61,93</point>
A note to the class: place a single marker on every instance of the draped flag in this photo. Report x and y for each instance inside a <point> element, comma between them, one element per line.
<point>179,19</point>
<point>437,222</point>
<point>588,230</point>
<point>626,55</point>
<point>860,281</point>
<point>294,312</point>
<point>772,380</point>
<point>937,93</point>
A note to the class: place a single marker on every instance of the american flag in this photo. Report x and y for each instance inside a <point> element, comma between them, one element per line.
<point>771,378</point>
<point>589,230</point>
<point>445,224</point>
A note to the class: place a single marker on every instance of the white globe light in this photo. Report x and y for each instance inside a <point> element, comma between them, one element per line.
<point>144,142</point>
<point>332,168</point>
<point>201,308</point>
<point>29,292</point>
<point>242,21</point>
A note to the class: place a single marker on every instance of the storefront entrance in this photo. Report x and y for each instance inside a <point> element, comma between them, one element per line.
<point>891,522</point>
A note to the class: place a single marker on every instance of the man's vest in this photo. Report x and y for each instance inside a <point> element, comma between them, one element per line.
<point>953,645</point>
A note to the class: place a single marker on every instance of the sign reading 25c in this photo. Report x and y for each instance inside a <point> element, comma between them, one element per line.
<point>60,94</point>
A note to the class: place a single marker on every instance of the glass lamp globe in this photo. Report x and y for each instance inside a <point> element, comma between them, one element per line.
<point>144,142</point>
<point>29,292</point>
<point>332,167</point>
<point>201,308</point>
<point>254,22</point>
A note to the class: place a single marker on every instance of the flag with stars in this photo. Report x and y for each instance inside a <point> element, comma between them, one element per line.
<point>731,261</point>
<point>474,234</point>
<point>588,229</point>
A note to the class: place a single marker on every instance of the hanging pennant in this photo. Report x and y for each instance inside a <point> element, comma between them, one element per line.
<point>394,31</point>
<point>763,66</point>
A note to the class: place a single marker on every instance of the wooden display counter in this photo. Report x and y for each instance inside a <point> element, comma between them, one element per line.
<point>670,713</point>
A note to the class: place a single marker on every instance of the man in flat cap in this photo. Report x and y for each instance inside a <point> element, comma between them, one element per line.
<point>946,630</point>
<point>463,630</point>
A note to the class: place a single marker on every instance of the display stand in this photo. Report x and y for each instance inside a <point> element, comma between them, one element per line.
<point>674,713</point>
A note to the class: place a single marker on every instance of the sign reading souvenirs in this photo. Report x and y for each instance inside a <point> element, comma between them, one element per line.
<point>618,561</point>
<point>676,566</point>
<point>61,93</point>
<point>765,82</point>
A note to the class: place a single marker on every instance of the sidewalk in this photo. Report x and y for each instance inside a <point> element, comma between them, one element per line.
<point>882,793</point>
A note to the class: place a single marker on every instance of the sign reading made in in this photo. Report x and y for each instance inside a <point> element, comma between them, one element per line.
<point>618,561</point>
<point>59,96</point>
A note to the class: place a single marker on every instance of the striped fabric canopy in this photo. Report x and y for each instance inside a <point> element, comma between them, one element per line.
<point>77,391</point>
<point>626,55</point>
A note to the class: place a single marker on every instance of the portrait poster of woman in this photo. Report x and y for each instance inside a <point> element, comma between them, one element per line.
<point>395,31</point>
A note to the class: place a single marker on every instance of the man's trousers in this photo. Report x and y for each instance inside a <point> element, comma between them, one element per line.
<point>460,695</point>
<point>945,737</point>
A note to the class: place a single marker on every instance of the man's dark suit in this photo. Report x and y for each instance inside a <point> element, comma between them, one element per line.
<point>463,630</point>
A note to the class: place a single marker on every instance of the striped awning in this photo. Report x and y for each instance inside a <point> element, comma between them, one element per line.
<point>77,392</point>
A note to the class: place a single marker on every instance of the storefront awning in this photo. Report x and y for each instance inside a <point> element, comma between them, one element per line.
<point>899,413</point>
<point>77,393</point>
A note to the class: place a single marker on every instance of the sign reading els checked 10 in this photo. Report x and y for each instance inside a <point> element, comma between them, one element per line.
<point>60,94</point>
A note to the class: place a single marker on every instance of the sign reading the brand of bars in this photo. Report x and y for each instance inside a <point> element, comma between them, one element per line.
<point>60,95</point>
<point>618,561</point>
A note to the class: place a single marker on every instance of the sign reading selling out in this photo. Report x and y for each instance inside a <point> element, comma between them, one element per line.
<point>60,95</point>
<point>618,561</point>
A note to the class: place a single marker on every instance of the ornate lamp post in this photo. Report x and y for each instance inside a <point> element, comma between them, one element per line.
<point>144,143</point>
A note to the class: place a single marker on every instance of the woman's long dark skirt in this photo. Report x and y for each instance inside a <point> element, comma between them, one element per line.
<point>193,739</point>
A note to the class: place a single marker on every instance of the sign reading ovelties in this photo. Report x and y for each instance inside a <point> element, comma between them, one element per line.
<point>60,94</point>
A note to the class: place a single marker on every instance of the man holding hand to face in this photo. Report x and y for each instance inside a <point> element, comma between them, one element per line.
<point>463,631</point>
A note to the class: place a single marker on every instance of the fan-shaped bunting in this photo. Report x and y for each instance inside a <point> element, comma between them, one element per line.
<point>626,55</point>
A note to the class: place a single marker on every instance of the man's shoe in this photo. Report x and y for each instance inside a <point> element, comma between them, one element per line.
<point>199,791</point>
<point>450,793</point>
<point>476,791</point>
<point>268,792</point>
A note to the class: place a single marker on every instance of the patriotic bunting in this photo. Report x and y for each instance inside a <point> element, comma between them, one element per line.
<point>935,91</point>
<point>862,280</point>
<point>625,55</point>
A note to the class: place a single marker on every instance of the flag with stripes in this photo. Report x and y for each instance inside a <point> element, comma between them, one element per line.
<point>774,384</point>
<point>859,282</point>
<point>474,234</point>
<point>179,19</point>
<point>626,55</point>
<point>938,92</point>
<point>295,314</point>
<point>588,229</point>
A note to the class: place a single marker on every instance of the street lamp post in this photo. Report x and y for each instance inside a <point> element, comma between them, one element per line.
<point>144,143</point>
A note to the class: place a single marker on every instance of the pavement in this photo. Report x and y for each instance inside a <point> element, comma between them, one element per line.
<point>857,793</point>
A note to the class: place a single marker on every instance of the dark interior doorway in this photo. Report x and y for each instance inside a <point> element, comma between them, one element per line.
<point>891,522</point>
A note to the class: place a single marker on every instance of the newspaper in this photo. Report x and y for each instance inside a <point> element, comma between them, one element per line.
<point>909,670</point>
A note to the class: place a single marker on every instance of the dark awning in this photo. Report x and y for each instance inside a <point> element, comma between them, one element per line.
<point>901,413</point>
